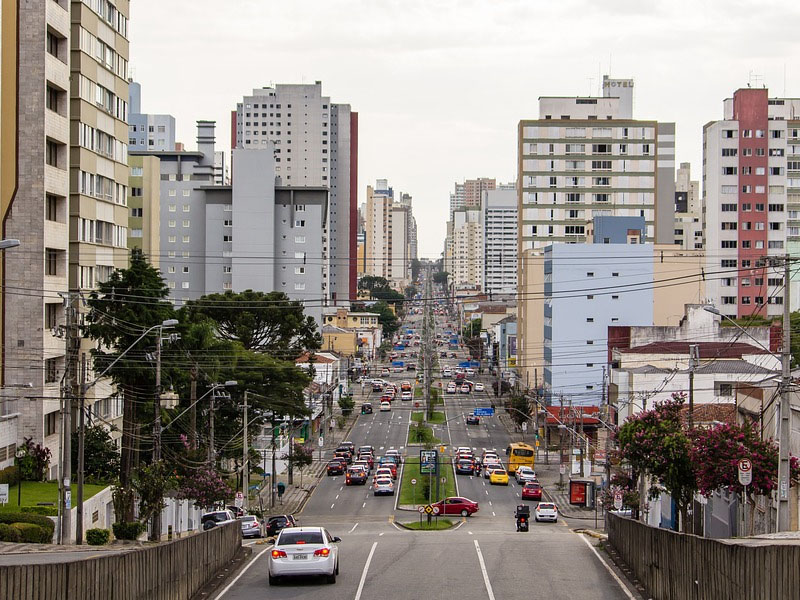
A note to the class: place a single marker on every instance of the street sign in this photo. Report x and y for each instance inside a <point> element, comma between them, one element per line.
<point>435,510</point>
<point>427,461</point>
<point>3,493</point>
<point>524,426</point>
<point>413,482</point>
<point>562,469</point>
<point>321,442</point>
<point>444,479</point>
<point>428,509</point>
<point>617,499</point>
<point>421,509</point>
<point>483,411</point>
<point>239,502</point>
<point>745,471</point>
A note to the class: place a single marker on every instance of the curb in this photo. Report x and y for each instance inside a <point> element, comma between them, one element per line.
<point>224,574</point>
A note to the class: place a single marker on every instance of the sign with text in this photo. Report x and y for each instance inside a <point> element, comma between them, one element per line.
<point>483,411</point>
<point>745,471</point>
<point>428,460</point>
<point>4,493</point>
<point>617,499</point>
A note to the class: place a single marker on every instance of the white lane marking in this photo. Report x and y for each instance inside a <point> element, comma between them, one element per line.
<point>332,505</point>
<point>609,569</point>
<point>493,514</point>
<point>483,571</point>
<point>363,505</point>
<point>337,497</point>
<point>487,492</point>
<point>459,525</point>
<point>341,488</point>
<point>364,572</point>
<point>396,526</point>
<point>490,503</point>
<point>469,532</point>
<point>381,534</point>
<point>353,529</point>
<point>247,566</point>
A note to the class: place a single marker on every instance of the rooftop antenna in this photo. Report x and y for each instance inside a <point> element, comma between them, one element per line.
<point>754,79</point>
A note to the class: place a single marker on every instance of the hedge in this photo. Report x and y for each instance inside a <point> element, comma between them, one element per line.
<point>97,537</point>
<point>32,534</point>
<point>128,531</point>
<point>9,475</point>
<point>9,533</point>
<point>19,517</point>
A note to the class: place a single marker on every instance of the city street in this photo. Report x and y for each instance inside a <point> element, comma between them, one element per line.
<point>482,557</point>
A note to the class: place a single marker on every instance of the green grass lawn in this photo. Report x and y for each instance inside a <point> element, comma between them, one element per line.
<point>436,524</point>
<point>437,419</point>
<point>422,434</point>
<point>410,495</point>
<point>36,492</point>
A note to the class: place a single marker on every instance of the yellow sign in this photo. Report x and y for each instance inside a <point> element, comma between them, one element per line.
<point>299,440</point>
<point>428,509</point>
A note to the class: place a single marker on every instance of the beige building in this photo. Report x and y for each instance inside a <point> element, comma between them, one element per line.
<point>378,255</point>
<point>688,210</point>
<point>365,326</point>
<point>339,340</point>
<point>144,193</point>
<point>467,250</point>
<point>34,182</point>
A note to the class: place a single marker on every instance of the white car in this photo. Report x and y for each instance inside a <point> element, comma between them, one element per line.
<point>447,373</point>
<point>479,387</point>
<point>384,372</point>
<point>215,518</point>
<point>525,474</point>
<point>383,486</point>
<point>386,406</point>
<point>382,472</point>
<point>304,551</point>
<point>451,388</point>
<point>405,396</point>
<point>546,511</point>
<point>470,372</point>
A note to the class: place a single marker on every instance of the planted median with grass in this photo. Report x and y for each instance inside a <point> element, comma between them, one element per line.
<point>425,489</point>
<point>420,433</point>
<point>437,418</point>
<point>435,524</point>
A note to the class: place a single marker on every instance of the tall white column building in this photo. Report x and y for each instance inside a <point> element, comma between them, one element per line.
<point>316,144</point>
<point>499,224</point>
<point>468,249</point>
<point>751,200</point>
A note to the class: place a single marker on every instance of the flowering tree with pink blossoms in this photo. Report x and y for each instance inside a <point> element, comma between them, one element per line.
<point>206,487</point>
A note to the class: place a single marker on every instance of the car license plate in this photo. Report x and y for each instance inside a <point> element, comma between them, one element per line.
<point>300,556</point>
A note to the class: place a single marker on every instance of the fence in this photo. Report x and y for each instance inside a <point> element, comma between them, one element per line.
<point>169,571</point>
<point>675,566</point>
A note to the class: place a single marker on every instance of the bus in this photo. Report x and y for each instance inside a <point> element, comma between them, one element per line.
<point>520,454</point>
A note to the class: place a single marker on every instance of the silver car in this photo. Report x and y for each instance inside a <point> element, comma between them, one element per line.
<point>546,511</point>
<point>302,551</point>
<point>383,485</point>
<point>251,527</point>
<point>525,474</point>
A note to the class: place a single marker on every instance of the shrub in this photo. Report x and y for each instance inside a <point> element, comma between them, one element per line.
<point>32,534</point>
<point>9,533</point>
<point>21,517</point>
<point>97,537</point>
<point>128,531</point>
<point>47,511</point>
<point>9,475</point>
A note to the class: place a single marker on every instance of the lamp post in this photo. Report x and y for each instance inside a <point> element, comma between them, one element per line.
<point>9,243</point>
<point>18,455</point>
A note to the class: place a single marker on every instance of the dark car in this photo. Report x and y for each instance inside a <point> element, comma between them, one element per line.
<point>532,491</point>
<point>456,506</point>
<point>336,467</point>
<point>366,408</point>
<point>345,455</point>
<point>356,476</point>
<point>465,467</point>
<point>473,420</point>
<point>278,522</point>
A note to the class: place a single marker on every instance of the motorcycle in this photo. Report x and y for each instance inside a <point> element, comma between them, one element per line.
<point>523,516</point>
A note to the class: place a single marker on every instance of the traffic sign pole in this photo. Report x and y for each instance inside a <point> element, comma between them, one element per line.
<point>745,478</point>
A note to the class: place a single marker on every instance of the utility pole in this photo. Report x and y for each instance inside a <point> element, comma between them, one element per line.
<point>694,359</point>
<point>156,533</point>
<point>211,451</point>
<point>245,457</point>
<point>193,410</point>
<point>272,474</point>
<point>786,381</point>
<point>81,458</point>
<point>607,404</point>
<point>69,391</point>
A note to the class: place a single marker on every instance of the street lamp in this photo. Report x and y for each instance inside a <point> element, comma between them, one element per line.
<point>9,243</point>
<point>18,455</point>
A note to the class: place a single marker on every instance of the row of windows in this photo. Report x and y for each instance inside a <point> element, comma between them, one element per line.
<point>748,225</point>
<point>102,143</point>
<point>747,207</point>
<point>109,13</point>
<point>103,98</point>
<point>758,300</point>
<point>748,133</point>
<point>174,207</point>
<point>102,232</point>
<point>746,244</point>
<point>103,188</point>
<point>103,53</point>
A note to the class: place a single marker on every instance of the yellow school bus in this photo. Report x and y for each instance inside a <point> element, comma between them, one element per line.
<point>520,454</point>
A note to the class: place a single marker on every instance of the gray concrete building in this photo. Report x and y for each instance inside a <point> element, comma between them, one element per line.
<point>148,131</point>
<point>252,234</point>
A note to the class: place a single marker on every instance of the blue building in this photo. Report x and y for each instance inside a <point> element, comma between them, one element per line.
<point>588,287</point>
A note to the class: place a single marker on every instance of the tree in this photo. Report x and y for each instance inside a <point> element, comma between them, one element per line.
<point>265,322</point>
<point>520,410</point>
<point>473,328</point>
<point>206,487</point>
<point>656,444</point>
<point>441,277</point>
<point>386,317</point>
<point>122,308</point>
<point>410,292</point>
<point>416,267</point>
<point>716,452</point>
<point>34,461</point>
<point>101,458</point>
<point>151,482</point>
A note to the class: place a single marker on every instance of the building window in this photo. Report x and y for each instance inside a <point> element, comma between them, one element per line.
<point>227,238</point>
<point>52,152</point>
<point>186,239</point>
<point>186,223</point>
<point>171,269</point>
<point>52,258</point>
<point>52,207</point>
<point>51,418</point>
<point>172,208</point>
<point>51,312</point>
<point>185,285</point>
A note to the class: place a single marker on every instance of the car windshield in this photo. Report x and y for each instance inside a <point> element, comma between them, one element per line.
<point>219,516</point>
<point>289,538</point>
<point>546,506</point>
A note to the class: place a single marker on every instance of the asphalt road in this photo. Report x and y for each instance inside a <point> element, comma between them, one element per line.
<point>482,558</point>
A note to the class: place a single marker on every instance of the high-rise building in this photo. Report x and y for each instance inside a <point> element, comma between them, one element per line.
<point>34,188</point>
<point>751,200</point>
<point>144,203</point>
<point>585,157</point>
<point>474,188</point>
<point>315,144</point>
<point>378,230</point>
<point>499,224</point>
<point>147,131</point>
<point>221,175</point>
<point>468,250</point>
<point>688,210</point>
<point>215,238</point>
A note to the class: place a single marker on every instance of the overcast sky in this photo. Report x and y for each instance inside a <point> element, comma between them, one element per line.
<point>440,85</point>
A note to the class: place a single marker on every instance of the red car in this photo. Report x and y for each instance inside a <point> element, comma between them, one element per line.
<point>336,467</point>
<point>456,506</point>
<point>532,491</point>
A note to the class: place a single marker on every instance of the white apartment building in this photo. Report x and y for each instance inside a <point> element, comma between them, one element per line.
<point>316,144</point>
<point>751,199</point>
<point>388,234</point>
<point>468,250</point>
<point>585,157</point>
<point>688,210</point>
<point>499,225</point>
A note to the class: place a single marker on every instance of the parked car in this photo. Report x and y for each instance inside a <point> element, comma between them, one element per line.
<point>251,527</point>
<point>215,518</point>
<point>464,388</point>
<point>396,454</point>
<point>366,408</point>
<point>388,463</point>
<point>451,388</point>
<point>278,522</point>
<point>456,505</point>
<point>546,511</point>
<point>531,491</point>
<point>405,396</point>
<point>304,551</point>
